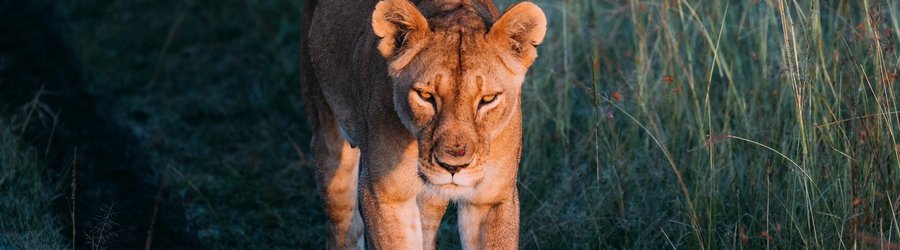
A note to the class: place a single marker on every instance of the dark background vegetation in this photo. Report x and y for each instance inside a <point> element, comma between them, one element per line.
<point>648,124</point>
<point>198,99</point>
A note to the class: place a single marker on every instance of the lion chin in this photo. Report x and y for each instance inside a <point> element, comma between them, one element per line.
<point>450,191</point>
<point>454,187</point>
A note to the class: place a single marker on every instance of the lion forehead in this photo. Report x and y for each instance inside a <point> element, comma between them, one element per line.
<point>459,57</point>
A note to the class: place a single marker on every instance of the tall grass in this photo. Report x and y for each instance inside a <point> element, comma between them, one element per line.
<point>710,125</point>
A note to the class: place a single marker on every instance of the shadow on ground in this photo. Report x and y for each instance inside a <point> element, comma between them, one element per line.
<point>42,87</point>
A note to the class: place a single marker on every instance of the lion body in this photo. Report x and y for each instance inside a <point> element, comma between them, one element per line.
<point>377,152</point>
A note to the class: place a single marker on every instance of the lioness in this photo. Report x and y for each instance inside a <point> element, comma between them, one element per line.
<point>414,105</point>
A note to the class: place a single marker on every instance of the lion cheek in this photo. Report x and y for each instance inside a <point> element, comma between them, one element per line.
<point>414,119</point>
<point>404,113</point>
<point>490,127</point>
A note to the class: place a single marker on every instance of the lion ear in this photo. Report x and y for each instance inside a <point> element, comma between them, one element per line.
<point>402,30</point>
<point>520,30</point>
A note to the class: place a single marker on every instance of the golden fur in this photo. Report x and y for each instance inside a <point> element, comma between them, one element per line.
<point>413,105</point>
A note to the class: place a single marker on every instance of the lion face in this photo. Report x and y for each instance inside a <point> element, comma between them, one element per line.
<point>455,106</point>
<point>456,86</point>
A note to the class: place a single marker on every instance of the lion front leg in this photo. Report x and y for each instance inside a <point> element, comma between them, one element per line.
<point>388,188</point>
<point>337,182</point>
<point>490,226</point>
<point>336,178</point>
<point>431,208</point>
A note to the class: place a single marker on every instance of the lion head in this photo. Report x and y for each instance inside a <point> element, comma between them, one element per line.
<point>457,79</point>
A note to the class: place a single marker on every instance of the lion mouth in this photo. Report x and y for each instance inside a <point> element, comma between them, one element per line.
<point>438,178</point>
<point>423,177</point>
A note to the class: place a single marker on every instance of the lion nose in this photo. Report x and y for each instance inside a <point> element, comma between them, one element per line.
<point>454,158</point>
<point>456,150</point>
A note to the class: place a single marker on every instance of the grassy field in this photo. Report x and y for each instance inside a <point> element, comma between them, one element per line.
<point>714,125</point>
<point>27,219</point>
<point>690,124</point>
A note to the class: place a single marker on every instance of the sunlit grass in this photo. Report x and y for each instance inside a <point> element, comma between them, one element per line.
<point>705,124</point>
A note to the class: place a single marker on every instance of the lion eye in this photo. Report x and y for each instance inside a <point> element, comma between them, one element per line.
<point>488,99</point>
<point>425,95</point>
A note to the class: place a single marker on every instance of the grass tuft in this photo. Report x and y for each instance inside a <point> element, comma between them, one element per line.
<point>27,220</point>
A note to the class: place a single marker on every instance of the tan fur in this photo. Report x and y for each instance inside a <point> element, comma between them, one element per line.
<point>429,93</point>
